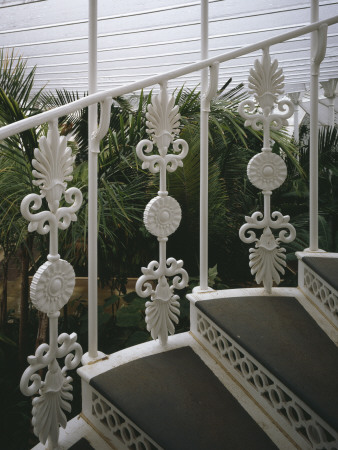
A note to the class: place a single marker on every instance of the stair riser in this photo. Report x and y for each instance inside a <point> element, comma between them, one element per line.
<point>307,429</point>
<point>112,423</point>
<point>324,296</point>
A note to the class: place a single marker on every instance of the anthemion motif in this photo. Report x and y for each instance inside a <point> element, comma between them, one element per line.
<point>52,286</point>
<point>162,217</point>
<point>266,171</point>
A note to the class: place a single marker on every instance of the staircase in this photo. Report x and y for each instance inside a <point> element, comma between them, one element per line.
<point>278,353</point>
<point>256,371</point>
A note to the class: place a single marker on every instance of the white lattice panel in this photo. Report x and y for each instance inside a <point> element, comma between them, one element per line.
<point>320,292</point>
<point>113,424</point>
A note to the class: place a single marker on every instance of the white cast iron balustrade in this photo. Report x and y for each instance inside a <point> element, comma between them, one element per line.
<point>266,171</point>
<point>52,286</point>
<point>162,217</point>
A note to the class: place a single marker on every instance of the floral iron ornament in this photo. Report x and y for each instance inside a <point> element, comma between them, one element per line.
<point>162,217</point>
<point>52,286</point>
<point>266,171</point>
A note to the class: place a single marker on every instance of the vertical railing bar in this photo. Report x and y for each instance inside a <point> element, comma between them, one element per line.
<point>204,153</point>
<point>314,133</point>
<point>296,123</point>
<point>92,187</point>
<point>318,48</point>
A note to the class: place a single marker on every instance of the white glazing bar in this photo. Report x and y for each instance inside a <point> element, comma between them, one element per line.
<point>92,186</point>
<point>204,153</point>
<point>314,132</point>
<point>47,116</point>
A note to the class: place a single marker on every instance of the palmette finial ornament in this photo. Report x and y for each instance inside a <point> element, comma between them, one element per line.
<point>266,171</point>
<point>162,217</point>
<point>266,82</point>
<point>48,409</point>
<point>267,260</point>
<point>53,166</point>
<point>52,286</point>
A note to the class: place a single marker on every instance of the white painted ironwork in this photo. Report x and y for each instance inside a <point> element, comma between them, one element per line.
<point>319,291</point>
<point>50,221</point>
<point>267,171</point>
<point>318,49</point>
<point>95,134</point>
<point>162,216</point>
<point>208,91</point>
<point>330,93</point>
<point>52,286</point>
<point>114,424</point>
<point>295,97</point>
<point>300,421</point>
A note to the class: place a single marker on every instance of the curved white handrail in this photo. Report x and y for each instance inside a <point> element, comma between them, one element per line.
<point>47,116</point>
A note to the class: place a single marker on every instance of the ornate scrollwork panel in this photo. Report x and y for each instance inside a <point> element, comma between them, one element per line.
<point>55,396</point>
<point>162,217</point>
<point>53,169</point>
<point>266,171</point>
<point>266,82</point>
<point>52,286</point>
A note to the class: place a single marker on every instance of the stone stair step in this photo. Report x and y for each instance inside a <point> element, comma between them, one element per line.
<point>178,401</point>
<point>279,351</point>
<point>81,444</point>
<point>280,334</point>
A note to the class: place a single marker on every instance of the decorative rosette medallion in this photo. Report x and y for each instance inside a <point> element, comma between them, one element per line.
<point>52,286</point>
<point>266,171</point>
<point>162,217</point>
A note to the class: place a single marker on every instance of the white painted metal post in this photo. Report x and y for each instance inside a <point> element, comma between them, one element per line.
<point>314,132</point>
<point>204,153</point>
<point>330,93</point>
<point>331,111</point>
<point>92,188</point>
<point>296,123</point>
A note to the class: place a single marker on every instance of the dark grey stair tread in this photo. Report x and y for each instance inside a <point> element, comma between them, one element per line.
<point>177,400</point>
<point>279,333</point>
<point>82,444</point>
<point>327,268</point>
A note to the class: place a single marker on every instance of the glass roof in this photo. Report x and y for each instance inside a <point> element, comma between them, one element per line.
<point>140,38</point>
